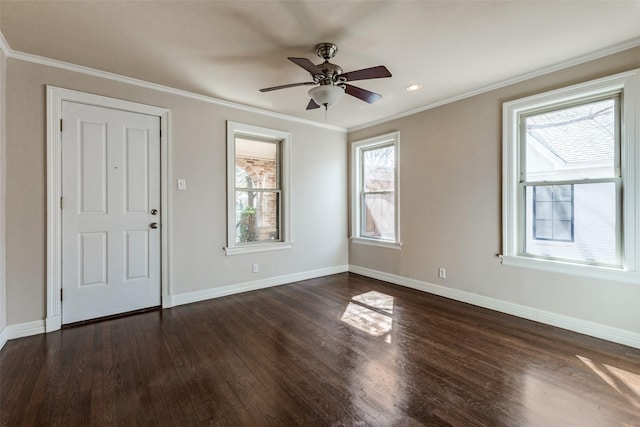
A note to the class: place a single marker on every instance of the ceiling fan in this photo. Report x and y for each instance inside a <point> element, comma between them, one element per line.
<point>331,81</point>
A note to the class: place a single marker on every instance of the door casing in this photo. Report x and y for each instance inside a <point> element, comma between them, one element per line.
<point>55,97</point>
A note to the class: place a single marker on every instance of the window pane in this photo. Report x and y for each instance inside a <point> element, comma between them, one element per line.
<point>257,216</point>
<point>562,230</point>
<point>379,216</point>
<point>378,169</point>
<point>562,211</point>
<point>583,232</point>
<point>562,193</point>
<point>544,194</point>
<point>577,142</point>
<point>544,210</point>
<point>256,164</point>
<point>544,229</point>
<point>243,179</point>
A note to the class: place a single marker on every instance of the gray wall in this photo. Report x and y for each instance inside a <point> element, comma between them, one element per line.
<point>198,216</point>
<point>451,168</point>
<point>3,298</point>
<point>450,213</point>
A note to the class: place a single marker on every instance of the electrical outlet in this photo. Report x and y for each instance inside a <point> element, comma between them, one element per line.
<point>442,273</point>
<point>255,268</point>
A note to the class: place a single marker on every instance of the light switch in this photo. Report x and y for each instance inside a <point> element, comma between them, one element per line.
<point>182,184</point>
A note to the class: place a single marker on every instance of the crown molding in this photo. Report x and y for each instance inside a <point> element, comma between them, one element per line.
<point>4,46</point>
<point>36,59</point>
<point>630,44</point>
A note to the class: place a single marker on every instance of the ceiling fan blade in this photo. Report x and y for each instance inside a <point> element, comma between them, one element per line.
<point>269,89</point>
<point>367,73</point>
<point>312,105</point>
<point>363,94</point>
<point>306,64</point>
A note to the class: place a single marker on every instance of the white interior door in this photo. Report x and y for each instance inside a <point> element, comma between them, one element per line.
<point>110,206</point>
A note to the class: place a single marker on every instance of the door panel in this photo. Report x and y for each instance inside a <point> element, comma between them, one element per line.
<point>137,177</point>
<point>137,254</point>
<point>92,157</point>
<point>92,258</point>
<point>110,183</point>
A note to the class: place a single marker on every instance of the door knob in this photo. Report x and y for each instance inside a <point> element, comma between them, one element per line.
<point>154,225</point>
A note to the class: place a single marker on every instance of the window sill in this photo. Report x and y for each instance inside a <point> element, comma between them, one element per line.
<point>375,242</point>
<point>562,267</point>
<point>263,247</point>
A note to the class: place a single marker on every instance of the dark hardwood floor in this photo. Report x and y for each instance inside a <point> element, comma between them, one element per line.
<point>342,350</point>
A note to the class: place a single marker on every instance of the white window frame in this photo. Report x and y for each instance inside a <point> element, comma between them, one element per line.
<point>357,148</point>
<point>235,129</point>
<point>628,84</point>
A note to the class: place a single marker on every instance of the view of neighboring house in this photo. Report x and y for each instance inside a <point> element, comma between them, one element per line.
<point>257,195</point>
<point>572,162</point>
<point>378,184</point>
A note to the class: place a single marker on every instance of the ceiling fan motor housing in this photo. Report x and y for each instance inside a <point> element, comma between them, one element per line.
<point>329,73</point>
<point>326,51</point>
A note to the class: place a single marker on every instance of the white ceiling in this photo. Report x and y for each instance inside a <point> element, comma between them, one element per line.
<point>230,49</point>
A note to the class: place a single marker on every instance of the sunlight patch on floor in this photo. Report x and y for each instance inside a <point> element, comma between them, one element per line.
<point>624,382</point>
<point>375,299</point>
<point>367,311</point>
<point>546,402</point>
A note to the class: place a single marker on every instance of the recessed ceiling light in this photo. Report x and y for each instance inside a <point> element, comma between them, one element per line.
<point>414,87</point>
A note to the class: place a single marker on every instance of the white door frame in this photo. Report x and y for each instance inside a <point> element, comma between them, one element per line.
<point>55,97</point>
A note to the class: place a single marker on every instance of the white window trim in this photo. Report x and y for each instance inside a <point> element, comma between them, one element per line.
<point>286,242</point>
<point>356,147</point>
<point>629,83</point>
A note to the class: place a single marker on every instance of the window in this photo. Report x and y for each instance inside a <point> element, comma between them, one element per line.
<point>257,189</point>
<point>575,147</point>
<point>375,195</point>
<point>553,212</point>
<point>570,202</point>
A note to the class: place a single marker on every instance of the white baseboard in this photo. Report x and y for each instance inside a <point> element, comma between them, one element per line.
<point>52,324</point>
<point>620,336</point>
<point>3,338</point>
<point>25,329</point>
<point>190,297</point>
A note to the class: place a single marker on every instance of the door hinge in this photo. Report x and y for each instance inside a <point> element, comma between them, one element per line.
<point>60,294</point>
<point>60,202</point>
<point>60,125</point>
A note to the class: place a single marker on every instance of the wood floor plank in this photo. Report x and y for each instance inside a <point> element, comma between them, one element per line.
<point>318,353</point>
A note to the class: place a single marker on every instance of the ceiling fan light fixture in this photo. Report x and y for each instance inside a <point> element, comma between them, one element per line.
<point>326,94</point>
